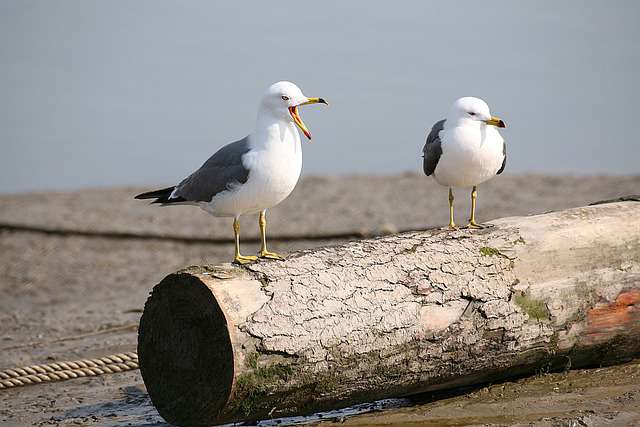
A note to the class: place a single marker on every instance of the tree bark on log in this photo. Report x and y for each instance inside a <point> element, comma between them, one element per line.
<point>393,316</point>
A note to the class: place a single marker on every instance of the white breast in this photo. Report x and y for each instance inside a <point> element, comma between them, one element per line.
<point>470,156</point>
<point>274,163</point>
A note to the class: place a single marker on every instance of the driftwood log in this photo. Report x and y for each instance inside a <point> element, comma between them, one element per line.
<point>393,316</point>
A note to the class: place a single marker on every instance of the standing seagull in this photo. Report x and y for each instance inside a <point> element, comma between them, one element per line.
<point>464,150</point>
<point>253,174</point>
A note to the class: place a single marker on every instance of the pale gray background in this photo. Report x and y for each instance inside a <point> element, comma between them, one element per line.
<point>100,93</point>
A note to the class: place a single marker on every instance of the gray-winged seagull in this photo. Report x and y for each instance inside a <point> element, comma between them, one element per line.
<point>253,174</point>
<point>464,150</point>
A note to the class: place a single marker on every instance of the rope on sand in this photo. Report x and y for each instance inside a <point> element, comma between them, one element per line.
<point>60,371</point>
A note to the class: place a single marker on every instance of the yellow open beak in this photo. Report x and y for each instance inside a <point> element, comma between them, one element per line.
<point>496,121</point>
<point>296,117</point>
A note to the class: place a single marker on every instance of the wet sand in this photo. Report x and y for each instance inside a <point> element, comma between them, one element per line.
<point>68,296</point>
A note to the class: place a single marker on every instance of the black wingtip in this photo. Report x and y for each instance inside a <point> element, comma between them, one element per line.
<point>162,194</point>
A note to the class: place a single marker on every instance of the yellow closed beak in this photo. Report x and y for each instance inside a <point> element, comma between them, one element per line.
<point>315,101</point>
<point>496,121</point>
<point>296,117</point>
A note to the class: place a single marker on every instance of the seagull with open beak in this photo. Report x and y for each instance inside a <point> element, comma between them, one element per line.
<point>253,174</point>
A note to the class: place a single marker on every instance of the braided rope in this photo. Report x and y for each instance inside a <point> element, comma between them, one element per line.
<point>61,371</point>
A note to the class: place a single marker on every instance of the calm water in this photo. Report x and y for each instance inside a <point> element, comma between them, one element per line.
<point>99,93</point>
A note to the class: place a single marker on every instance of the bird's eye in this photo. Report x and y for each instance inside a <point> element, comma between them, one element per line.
<point>285,97</point>
<point>471,113</point>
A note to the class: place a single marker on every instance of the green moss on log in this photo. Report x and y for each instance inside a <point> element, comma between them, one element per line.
<point>252,386</point>
<point>252,360</point>
<point>489,251</point>
<point>534,308</point>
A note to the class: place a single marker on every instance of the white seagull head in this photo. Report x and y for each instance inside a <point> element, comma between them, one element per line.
<point>470,110</point>
<point>282,99</point>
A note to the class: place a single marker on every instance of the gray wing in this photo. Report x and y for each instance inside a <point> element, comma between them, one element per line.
<point>222,171</point>
<point>504,161</point>
<point>432,149</point>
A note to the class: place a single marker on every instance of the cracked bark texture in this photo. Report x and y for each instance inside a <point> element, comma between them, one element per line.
<point>398,315</point>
